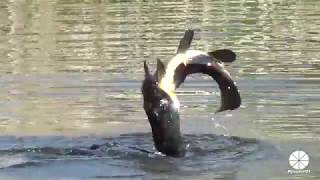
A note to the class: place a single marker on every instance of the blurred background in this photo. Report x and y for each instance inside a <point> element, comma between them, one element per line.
<point>74,68</point>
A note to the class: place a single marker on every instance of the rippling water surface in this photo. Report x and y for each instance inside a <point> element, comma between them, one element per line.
<point>70,77</point>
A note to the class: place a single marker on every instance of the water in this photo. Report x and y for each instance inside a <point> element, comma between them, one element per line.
<point>71,73</point>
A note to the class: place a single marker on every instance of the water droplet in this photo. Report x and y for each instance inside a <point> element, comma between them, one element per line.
<point>243,106</point>
<point>187,146</point>
<point>228,115</point>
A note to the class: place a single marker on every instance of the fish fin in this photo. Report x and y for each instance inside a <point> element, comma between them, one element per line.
<point>185,42</point>
<point>224,55</point>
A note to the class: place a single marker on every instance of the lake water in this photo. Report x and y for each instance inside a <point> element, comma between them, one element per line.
<point>70,77</point>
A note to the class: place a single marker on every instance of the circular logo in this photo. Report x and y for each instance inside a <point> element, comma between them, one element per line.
<point>299,160</point>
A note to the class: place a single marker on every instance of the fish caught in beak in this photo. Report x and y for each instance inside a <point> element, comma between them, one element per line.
<point>159,91</point>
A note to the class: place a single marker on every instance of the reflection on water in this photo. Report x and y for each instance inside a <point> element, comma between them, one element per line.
<point>75,67</point>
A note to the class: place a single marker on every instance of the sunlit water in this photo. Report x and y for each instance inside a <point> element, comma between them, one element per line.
<point>71,73</point>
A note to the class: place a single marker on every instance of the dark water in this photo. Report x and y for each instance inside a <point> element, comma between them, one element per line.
<point>70,76</point>
<point>127,156</point>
